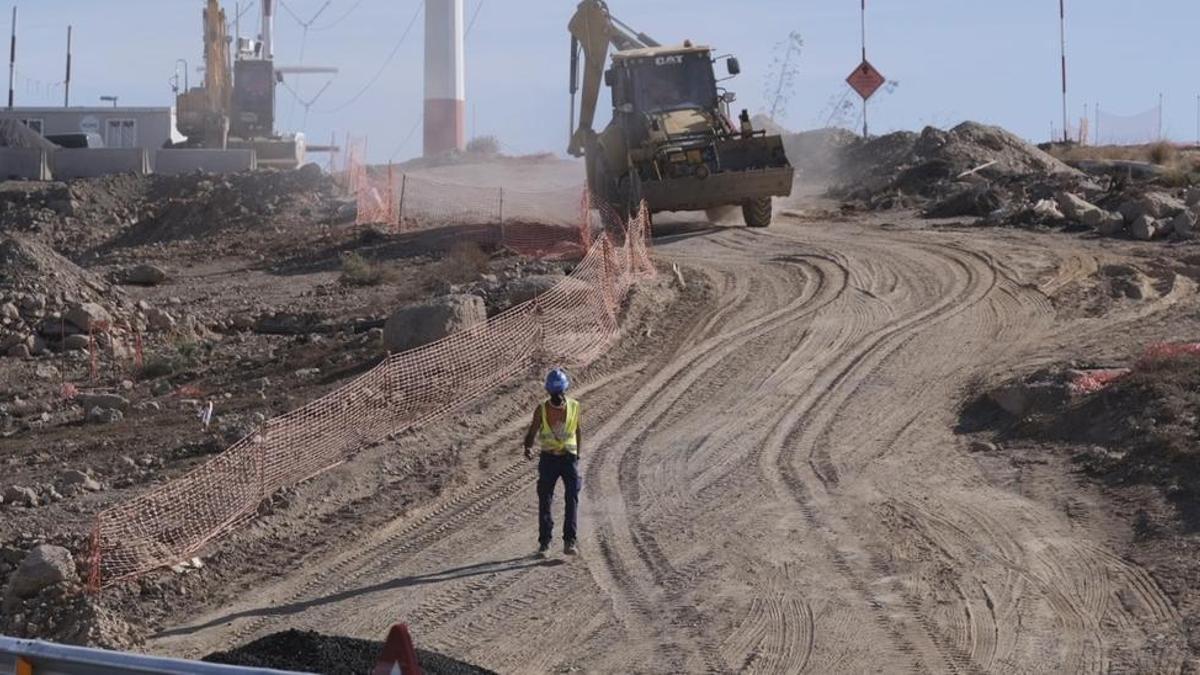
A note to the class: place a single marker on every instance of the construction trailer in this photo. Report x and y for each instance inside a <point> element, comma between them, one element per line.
<point>126,127</point>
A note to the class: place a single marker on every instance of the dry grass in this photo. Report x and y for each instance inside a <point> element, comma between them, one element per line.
<point>1182,165</point>
<point>358,271</point>
<point>464,263</point>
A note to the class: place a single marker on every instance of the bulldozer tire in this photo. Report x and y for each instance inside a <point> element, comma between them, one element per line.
<point>757,212</point>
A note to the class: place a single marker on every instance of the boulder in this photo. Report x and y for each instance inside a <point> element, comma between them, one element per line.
<point>1146,228</point>
<point>20,496</point>
<point>9,311</point>
<point>525,289</point>
<point>19,351</point>
<point>1184,224</point>
<point>1078,209</point>
<point>145,275</point>
<point>1192,196</point>
<point>44,566</point>
<point>104,402</point>
<point>1153,204</point>
<point>1108,223</point>
<point>417,325</point>
<point>157,319</point>
<point>88,316</point>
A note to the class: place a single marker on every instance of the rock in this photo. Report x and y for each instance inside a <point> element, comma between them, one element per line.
<point>1077,209</point>
<point>1146,228</point>
<point>983,446</point>
<point>1192,196</point>
<point>967,200</point>
<point>44,566</point>
<point>284,323</point>
<point>1048,210</point>
<point>88,316</point>
<point>417,325</point>
<point>47,372</point>
<point>159,320</point>
<point>145,275</point>
<point>104,416</point>
<point>527,288</point>
<point>104,401</point>
<point>19,351</point>
<point>1109,224</point>
<point>76,343</point>
<point>1184,224</point>
<point>9,311</point>
<point>1022,398</point>
<point>20,496</point>
<point>1153,204</point>
<point>79,478</point>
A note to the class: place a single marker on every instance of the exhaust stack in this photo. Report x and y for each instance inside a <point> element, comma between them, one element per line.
<point>445,85</point>
<point>268,29</point>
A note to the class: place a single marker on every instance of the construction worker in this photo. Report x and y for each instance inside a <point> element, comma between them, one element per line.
<point>555,427</point>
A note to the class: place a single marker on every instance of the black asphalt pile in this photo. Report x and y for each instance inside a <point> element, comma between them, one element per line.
<point>310,652</point>
<point>971,170</point>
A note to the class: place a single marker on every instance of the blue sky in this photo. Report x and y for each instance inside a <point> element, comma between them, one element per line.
<point>990,60</point>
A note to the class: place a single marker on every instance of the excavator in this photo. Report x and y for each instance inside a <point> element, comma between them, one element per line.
<point>671,143</point>
<point>235,113</point>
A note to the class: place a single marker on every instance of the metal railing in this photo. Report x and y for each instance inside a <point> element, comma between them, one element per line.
<point>35,657</point>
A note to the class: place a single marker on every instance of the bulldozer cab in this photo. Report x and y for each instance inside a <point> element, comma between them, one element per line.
<point>655,80</point>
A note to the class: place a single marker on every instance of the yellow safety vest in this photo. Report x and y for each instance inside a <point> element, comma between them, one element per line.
<point>563,441</point>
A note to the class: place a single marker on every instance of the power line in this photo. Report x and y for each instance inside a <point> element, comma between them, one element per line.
<point>407,138</point>
<point>474,16</point>
<point>341,18</point>
<point>382,68</point>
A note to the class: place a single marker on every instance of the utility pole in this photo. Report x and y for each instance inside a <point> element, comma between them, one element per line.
<point>67,81</point>
<point>1062,29</point>
<point>12,59</point>
<point>863,16</point>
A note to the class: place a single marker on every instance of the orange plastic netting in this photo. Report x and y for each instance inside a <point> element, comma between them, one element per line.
<point>572,324</point>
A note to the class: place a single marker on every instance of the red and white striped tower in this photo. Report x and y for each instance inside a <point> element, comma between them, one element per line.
<point>445,79</point>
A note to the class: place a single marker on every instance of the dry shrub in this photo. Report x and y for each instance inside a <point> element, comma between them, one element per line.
<point>484,145</point>
<point>464,263</point>
<point>1162,153</point>
<point>358,271</point>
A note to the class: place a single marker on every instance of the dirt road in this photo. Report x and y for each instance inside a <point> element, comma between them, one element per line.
<point>782,492</point>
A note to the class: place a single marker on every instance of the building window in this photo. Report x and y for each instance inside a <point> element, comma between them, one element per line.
<point>36,125</point>
<point>121,133</point>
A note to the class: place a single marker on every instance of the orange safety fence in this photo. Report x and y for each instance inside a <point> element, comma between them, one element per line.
<point>572,324</point>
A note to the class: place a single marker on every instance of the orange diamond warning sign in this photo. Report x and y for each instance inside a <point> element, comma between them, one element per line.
<point>865,80</point>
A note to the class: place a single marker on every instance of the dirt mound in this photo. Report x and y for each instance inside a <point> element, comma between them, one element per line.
<point>14,134</point>
<point>972,169</point>
<point>1148,422</point>
<point>312,652</point>
<point>196,206</point>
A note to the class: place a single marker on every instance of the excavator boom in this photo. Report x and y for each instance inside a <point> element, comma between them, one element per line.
<point>593,30</point>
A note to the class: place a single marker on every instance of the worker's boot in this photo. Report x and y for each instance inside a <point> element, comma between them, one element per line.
<point>569,548</point>
<point>543,550</point>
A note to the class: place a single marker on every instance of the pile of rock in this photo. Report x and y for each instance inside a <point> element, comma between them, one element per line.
<point>1152,215</point>
<point>44,598</point>
<point>971,170</point>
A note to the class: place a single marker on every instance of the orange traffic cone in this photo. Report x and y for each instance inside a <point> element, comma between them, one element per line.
<point>399,657</point>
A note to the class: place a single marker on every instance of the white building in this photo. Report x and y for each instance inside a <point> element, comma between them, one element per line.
<point>148,128</point>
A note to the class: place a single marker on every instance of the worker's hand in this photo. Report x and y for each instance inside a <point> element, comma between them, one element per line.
<point>528,453</point>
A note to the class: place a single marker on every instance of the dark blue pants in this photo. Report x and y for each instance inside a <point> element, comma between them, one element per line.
<point>550,469</point>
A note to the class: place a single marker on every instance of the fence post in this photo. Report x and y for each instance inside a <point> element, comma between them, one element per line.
<point>501,206</point>
<point>403,190</point>
<point>391,196</point>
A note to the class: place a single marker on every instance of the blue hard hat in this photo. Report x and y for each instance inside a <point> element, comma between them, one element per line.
<point>557,381</point>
